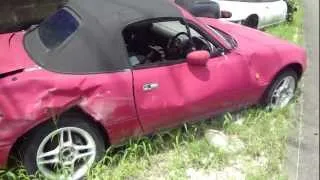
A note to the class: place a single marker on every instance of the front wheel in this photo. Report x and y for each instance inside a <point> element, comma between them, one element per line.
<point>65,149</point>
<point>282,90</point>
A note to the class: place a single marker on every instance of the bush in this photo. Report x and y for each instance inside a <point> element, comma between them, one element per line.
<point>292,8</point>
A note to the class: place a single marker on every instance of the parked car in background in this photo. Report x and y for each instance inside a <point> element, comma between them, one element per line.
<point>98,72</point>
<point>255,13</point>
<point>203,8</point>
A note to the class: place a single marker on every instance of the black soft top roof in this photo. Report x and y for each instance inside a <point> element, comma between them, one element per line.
<point>97,45</point>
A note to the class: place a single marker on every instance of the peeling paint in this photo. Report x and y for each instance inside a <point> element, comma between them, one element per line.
<point>37,95</point>
<point>98,107</point>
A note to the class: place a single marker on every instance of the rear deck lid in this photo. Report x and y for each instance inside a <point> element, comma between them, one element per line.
<point>13,56</point>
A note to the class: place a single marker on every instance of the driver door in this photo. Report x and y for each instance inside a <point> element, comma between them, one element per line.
<point>169,94</point>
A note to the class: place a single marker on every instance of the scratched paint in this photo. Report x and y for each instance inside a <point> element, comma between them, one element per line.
<point>35,95</point>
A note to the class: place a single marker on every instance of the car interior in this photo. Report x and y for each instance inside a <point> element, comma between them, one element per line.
<point>162,42</point>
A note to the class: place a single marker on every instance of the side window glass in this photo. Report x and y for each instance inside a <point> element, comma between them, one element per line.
<point>156,43</point>
<point>200,42</point>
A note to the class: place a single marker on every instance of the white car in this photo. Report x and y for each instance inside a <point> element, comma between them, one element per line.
<point>255,13</point>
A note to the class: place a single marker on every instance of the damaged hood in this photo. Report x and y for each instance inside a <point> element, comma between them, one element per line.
<point>250,37</point>
<point>261,48</point>
<point>13,56</point>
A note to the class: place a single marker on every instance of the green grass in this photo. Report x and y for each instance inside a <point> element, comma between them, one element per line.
<point>290,31</point>
<point>171,154</point>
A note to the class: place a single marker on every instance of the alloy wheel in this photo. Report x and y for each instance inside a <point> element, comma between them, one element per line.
<point>283,92</point>
<point>66,153</point>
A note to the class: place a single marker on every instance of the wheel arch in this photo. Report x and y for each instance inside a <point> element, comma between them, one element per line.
<point>254,17</point>
<point>14,154</point>
<point>296,67</point>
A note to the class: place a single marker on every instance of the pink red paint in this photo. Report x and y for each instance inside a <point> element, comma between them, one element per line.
<point>118,101</point>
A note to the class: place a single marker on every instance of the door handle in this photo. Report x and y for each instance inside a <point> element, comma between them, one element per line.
<point>150,86</point>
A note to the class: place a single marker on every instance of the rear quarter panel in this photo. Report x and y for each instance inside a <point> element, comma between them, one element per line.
<point>34,96</point>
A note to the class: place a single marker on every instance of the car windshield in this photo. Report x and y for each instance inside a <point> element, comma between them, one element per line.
<point>224,36</point>
<point>57,28</point>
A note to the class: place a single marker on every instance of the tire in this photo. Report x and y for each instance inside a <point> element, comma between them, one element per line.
<point>252,21</point>
<point>274,90</point>
<point>45,137</point>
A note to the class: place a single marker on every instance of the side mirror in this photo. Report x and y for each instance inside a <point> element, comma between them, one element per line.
<point>225,14</point>
<point>198,57</point>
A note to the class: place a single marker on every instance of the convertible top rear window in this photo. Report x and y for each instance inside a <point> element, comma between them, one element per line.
<point>57,28</point>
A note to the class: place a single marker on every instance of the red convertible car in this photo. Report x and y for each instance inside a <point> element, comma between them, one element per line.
<point>97,72</point>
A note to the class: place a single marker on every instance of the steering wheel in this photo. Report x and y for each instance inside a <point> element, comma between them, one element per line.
<point>201,44</point>
<point>177,44</point>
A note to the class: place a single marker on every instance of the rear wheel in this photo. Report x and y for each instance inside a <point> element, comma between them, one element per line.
<point>65,149</point>
<point>252,21</point>
<point>282,90</point>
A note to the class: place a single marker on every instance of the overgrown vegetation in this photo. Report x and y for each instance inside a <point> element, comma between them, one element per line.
<point>292,8</point>
<point>169,155</point>
<point>291,31</point>
<point>177,153</point>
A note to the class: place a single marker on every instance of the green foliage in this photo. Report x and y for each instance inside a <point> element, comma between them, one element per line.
<point>293,6</point>
<point>292,31</point>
